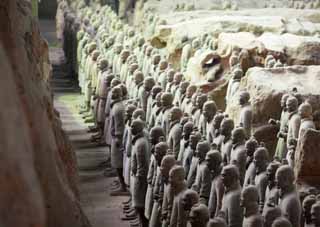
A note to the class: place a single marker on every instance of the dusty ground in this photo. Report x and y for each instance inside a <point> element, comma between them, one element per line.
<point>101,209</point>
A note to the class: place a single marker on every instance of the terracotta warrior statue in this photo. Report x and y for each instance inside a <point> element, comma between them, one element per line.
<point>306,207</point>
<point>168,80</point>
<point>209,111</point>
<point>238,153</point>
<point>272,192</point>
<point>217,136</point>
<point>294,121</point>
<point>281,222</point>
<point>214,163</point>
<point>139,168</point>
<point>166,100</point>
<point>175,133</point>
<point>198,118</point>
<point>202,182</point>
<point>160,151</point>
<point>117,126</point>
<point>151,101</point>
<point>145,92</point>
<point>231,199</point>
<point>217,222</point>
<point>246,112</point>
<point>185,138</point>
<point>281,149</point>
<point>186,105</point>
<point>315,214</point>
<point>289,199</point>
<point>191,161</point>
<point>271,215</point>
<point>305,112</point>
<point>199,215</point>
<point>178,77</point>
<point>181,93</point>
<point>251,146</point>
<point>167,163</point>
<point>226,129</point>
<point>250,204</point>
<point>189,199</point>
<point>156,135</point>
<point>178,187</point>
<point>261,159</point>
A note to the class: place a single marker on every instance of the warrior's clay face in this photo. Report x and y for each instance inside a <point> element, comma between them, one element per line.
<point>305,110</point>
<point>259,160</point>
<point>116,93</point>
<point>284,179</point>
<point>189,199</point>
<point>175,114</point>
<point>156,59</point>
<point>238,136</point>
<point>271,173</point>
<point>315,214</point>
<point>306,207</point>
<point>202,150</point>
<point>213,161</point>
<point>166,100</point>
<point>133,68</point>
<point>226,127</point>
<point>138,78</point>
<point>217,120</point>
<point>158,99</point>
<point>292,104</point>
<point>284,100</point>
<point>124,56</point>
<point>155,136</point>
<point>136,127</point>
<point>228,177</point>
<point>201,99</point>
<point>194,139</point>
<point>187,130</point>
<point>163,65</point>
<point>243,99</point>
<point>170,76</point>
<point>148,84</point>
<point>177,78</point>
<point>190,91</point>
<point>160,151</point>
<point>183,87</point>
<point>129,112</point>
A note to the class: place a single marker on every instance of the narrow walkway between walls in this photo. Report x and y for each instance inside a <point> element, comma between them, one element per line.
<point>101,209</point>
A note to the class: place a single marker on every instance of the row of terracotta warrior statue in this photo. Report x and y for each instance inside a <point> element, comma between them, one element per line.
<point>176,155</point>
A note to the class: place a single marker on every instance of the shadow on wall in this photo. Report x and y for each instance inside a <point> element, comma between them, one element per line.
<point>47,9</point>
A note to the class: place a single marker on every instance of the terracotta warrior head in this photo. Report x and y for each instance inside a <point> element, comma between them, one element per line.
<point>199,215</point>
<point>156,133</point>
<point>209,110</point>
<point>189,199</point>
